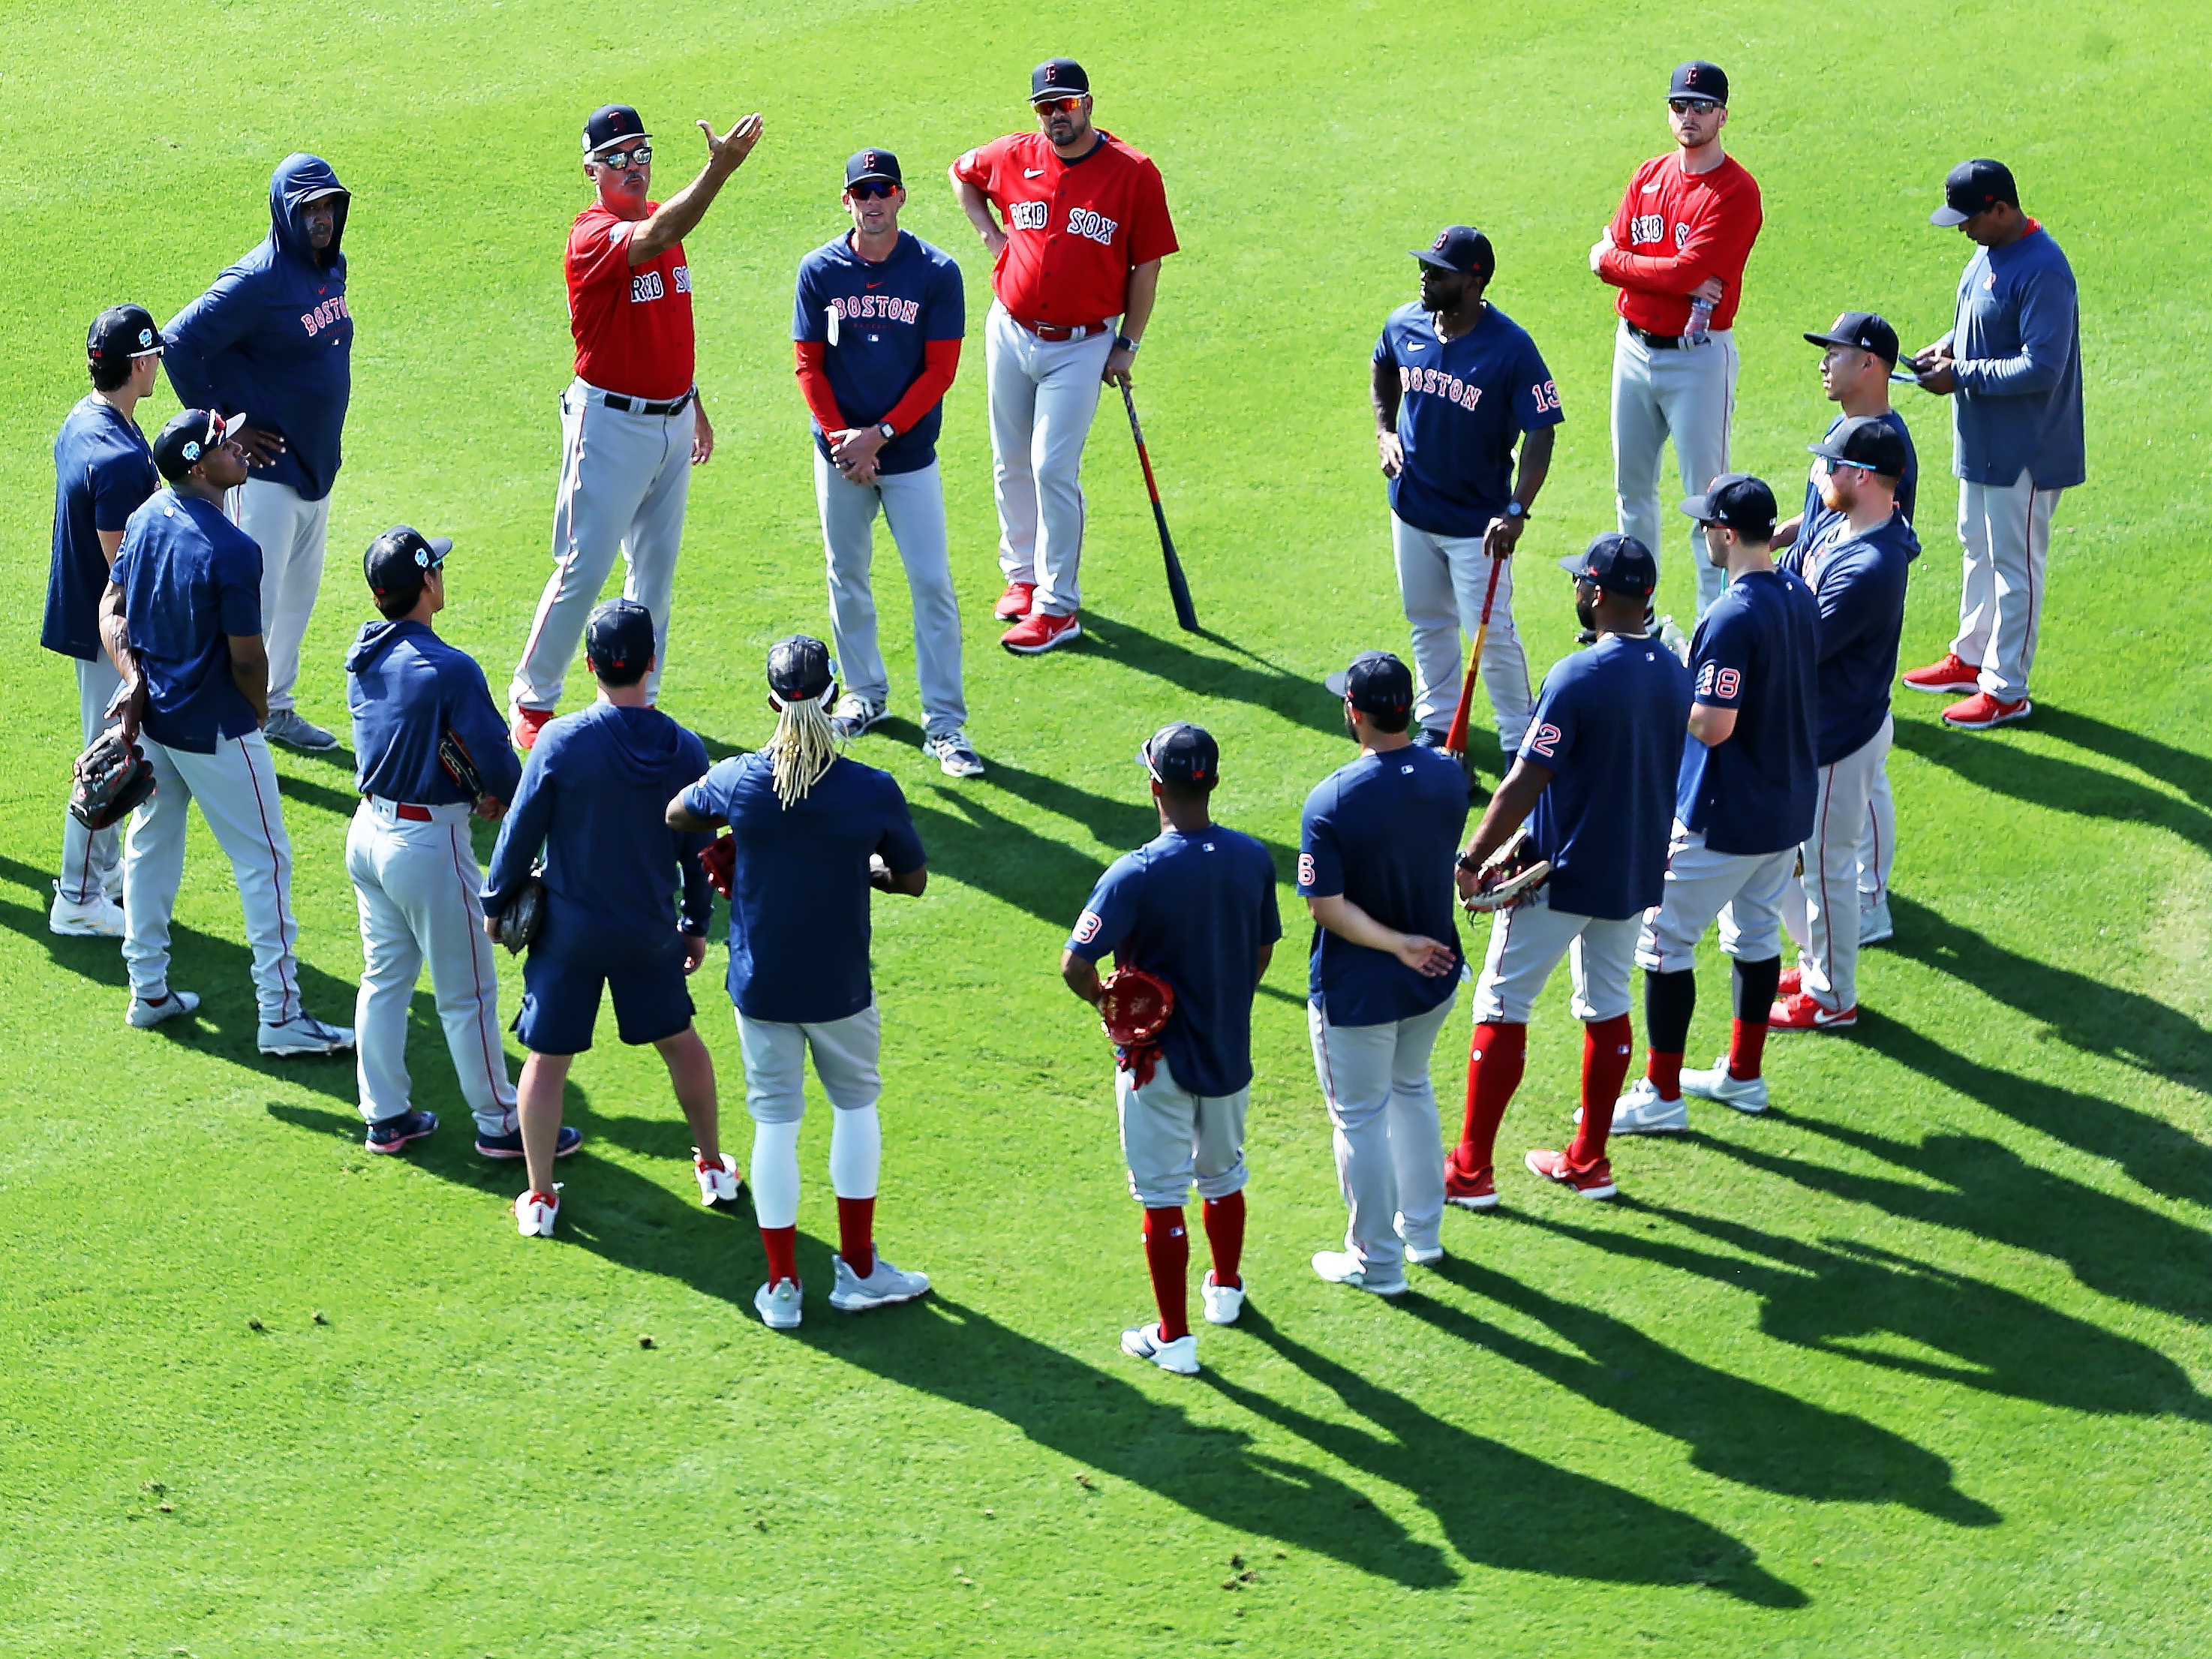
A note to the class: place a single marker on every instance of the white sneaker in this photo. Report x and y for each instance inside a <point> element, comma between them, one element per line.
<point>779,1304</point>
<point>97,917</point>
<point>718,1183</point>
<point>295,731</point>
<point>1874,926</point>
<point>855,715</point>
<point>1425,1255</point>
<point>1643,1111</point>
<point>175,1005</point>
<point>534,1212</point>
<point>1223,1302</point>
<point>1745,1094</point>
<point>1148,1342</point>
<point>303,1034</point>
<point>1342,1267</point>
<point>853,1294</point>
<point>955,755</point>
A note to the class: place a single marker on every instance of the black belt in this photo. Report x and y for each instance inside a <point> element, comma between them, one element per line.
<point>639,406</point>
<point>1657,342</point>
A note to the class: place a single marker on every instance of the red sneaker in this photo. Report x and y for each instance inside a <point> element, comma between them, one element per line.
<point>1981,711</point>
<point>1802,1014</point>
<point>1037,633</point>
<point>1791,982</point>
<point>1587,1180</point>
<point>1015,603</point>
<point>526,725</point>
<point>1476,1191</point>
<point>1949,675</point>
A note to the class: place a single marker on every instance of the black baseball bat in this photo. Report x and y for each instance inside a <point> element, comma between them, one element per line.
<point>1178,588</point>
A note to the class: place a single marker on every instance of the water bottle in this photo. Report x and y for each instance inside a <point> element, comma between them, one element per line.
<point>1672,636</point>
<point>1701,323</point>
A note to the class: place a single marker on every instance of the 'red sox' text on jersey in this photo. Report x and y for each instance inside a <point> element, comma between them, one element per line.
<point>1673,230</point>
<point>632,324</point>
<point>1074,229</point>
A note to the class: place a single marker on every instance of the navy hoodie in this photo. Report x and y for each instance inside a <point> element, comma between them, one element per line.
<point>595,793</point>
<point>1860,582</point>
<point>407,688</point>
<point>273,337</point>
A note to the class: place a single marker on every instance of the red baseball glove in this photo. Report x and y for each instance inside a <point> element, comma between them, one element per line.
<point>720,861</point>
<point>1134,1011</point>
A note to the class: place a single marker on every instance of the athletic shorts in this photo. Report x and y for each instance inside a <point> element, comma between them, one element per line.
<point>561,1001</point>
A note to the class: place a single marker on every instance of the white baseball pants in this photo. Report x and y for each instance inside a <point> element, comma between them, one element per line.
<point>291,531</point>
<point>624,480</point>
<point>1389,1152</point>
<point>1688,395</point>
<point>1830,963</point>
<point>1441,582</point>
<point>2005,530</point>
<point>416,885</point>
<point>1172,1139</point>
<point>1043,395</point>
<point>1743,889</point>
<point>236,788</point>
<point>1527,942</point>
<point>92,860</point>
<point>912,505</point>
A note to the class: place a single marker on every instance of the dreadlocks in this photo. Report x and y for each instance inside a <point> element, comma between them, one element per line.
<point>802,748</point>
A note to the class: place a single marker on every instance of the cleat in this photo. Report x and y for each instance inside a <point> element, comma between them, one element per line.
<point>855,715</point>
<point>293,730</point>
<point>1949,675</point>
<point>525,726</point>
<point>535,1212</point>
<point>1745,1094</point>
<point>1037,633</point>
<point>303,1034</point>
<point>718,1183</point>
<point>1586,1181</point>
<point>1874,926</point>
<point>1147,1342</point>
<point>1016,603</point>
<point>173,1005</point>
<point>955,755</point>
<point>1803,1013</point>
<point>1643,1111</point>
<point>392,1135</point>
<point>880,1289</point>
<point>1342,1267</point>
<point>1981,711</point>
<point>1223,1302</point>
<point>510,1143</point>
<point>1791,981</point>
<point>97,917</point>
<point>779,1304</point>
<point>1474,1191</point>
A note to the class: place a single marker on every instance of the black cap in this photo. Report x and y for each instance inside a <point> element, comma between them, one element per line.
<point>1181,753</point>
<point>1617,563</point>
<point>1866,440</point>
<point>1058,77</point>
<point>1867,330</point>
<point>189,435</point>
<point>1699,79</point>
<point>1377,682</point>
<point>1461,248</point>
<point>618,638</point>
<point>611,124</point>
<point>873,164</point>
<point>397,560</point>
<point>122,331</point>
<point>1971,186</point>
<point>799,669</point>
<point>1739,501</point>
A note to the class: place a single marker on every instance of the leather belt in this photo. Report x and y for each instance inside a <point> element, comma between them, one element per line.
<point>639,406</point>
<point>1063,331</point>
<point>1657,342</point>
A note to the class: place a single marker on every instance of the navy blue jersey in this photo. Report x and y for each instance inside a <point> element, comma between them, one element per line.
<point>1196,909</point>
<point>103,473</point>
<point>885,314</point>
<point>1384,831</point>
<point>1463,403</point>
<point>1859,581</point>
<point>408,689</point>
<point>1819,519</point>
<point>1756,652</point>
<point>1609,725</point>
<point>190,581</point>
<point>799,901</point>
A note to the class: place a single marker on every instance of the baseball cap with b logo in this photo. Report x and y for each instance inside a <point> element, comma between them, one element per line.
<point>1377,682</point>
<point>1461,248</point>
<point>399,560</point>
<point>1739,501</point>
<point>1181,753</point>
<point>869,164</point>
<point>1865,330</point>
<point>122,331</point>
<point>1971,187</point>
<point>612,124</point>
<point>1617,563</point>
<point>1699,79</point>
<point>185,441</point>
<point>618,639</point>
<point>1868,441</point>
<point>1058,77</point>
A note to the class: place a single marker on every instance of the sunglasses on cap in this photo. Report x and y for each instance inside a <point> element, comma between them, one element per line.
<point>636,156</point>
<point>870,190</point>
<point>1056,106</point>
<point>1692,105</point>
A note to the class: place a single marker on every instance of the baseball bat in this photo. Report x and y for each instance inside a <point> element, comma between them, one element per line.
<point>1456,739</point>
<point>1178,588</point>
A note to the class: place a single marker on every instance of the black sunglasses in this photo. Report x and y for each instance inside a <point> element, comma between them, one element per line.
<point>619,159</point>
<point>1692,105</point>
<point>870,190</point>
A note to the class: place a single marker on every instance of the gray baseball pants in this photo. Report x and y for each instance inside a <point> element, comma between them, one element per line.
<point>1830,964</point>
<point>1441,582</point>
<point>92,860</point>
<point>912,505</point>
<point>2005,530</point>
<point>290,531</point>
<point>1043,395</point>
<point>1687,395</point>
<point>1389,1152</point>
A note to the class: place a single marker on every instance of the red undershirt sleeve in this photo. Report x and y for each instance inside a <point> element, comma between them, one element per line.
<point>940,362</point>
<point>814,384</point>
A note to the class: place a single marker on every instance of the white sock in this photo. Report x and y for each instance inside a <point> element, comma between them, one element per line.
<point>856,1152</point>
<point>775,1174</point>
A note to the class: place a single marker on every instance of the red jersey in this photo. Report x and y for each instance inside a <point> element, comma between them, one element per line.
<point>1074,229</point>
<point>1673,230</point>
<point>632,324</point>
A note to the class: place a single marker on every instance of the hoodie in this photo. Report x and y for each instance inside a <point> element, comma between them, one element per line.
<point>594,795</point>
<point>273,337</point>
<point>407,688</point>
<point>1860,582</point>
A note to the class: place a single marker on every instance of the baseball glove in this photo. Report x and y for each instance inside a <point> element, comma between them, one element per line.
<point>718,859</point>
<point>1134,1011</point>
<point>461,766</point>
<point>1508,877</point>
<point>113,778</point>
<point>524,914</point>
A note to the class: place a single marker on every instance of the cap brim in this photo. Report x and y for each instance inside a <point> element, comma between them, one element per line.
<point>1834,340</point>
<point>324,195</point>
<point>1339,683</point>
<point>440,546</point>
<point>1054,97</point>
<point>1435,261</point>
<point>1948,217</point>
<point>877,179</point>
<point>234,424</point>
<point>1700,507</point>
<point>623,142</point>
<point>1826,451</point>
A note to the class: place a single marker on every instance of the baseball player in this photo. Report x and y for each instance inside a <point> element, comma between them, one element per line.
<point>1743,802</point>
<point>632,426</point>
<point>811,835</point>
<point>414,700</point>
<point>1456,381</point>
<point>1595,781</point>
<point>590,803</point>
<point>2012,366</point>
<point>274,335</point>
<point>1195,906</point>
<point>876,328</point>
<point>1856,571</point>
<point>1676,251</point>
<point>1081,229</point>
<point>103,473</point>
<point>1375,855</point>
<point>181,621</point>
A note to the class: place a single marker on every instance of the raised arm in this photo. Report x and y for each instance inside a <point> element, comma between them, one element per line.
<point>681,213</point>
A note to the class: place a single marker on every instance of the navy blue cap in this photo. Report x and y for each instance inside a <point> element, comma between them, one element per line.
<point>122,331</point>
<point>1699,79</point>
<point>1617,563</point>
<point>397,560</point>
<point>1866,440</point>
<point>1376,684</point>
<point>611,124</point>
<point>1461,248</point>
<point>1867,330</point>
<point>1181,753</point>
<point>1739,501</point>
<point>618,638</point>
<point>1058,77</point>
<point>799,669</point>
<point>873,164</point>
<point>1971,186</point>
<point>179,446</point>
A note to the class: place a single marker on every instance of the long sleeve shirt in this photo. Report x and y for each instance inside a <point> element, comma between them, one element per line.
<point>2016,353</point>
<point>1673,230</point>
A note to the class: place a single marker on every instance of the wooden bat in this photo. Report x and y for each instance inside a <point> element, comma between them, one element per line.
<point>1456,739</point>
<point>1178,588</point>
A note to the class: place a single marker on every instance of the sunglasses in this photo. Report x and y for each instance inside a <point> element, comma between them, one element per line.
<point>1692,105</point>
<point>637,156</point>
<point>870,190</point>
<point>1056,106</point>
<point>1829,463</point>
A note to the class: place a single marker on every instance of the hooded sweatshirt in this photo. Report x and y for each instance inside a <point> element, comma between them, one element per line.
<point>594,795</point>
<point>273,337</point>
<point>407,688</point>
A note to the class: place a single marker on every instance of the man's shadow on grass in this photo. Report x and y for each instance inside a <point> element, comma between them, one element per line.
<point>1255,680</point>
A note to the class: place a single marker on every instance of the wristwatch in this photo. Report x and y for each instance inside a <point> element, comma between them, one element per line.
<point>1515,510</point>
<point>886,431</point>
<point>1123,342</point>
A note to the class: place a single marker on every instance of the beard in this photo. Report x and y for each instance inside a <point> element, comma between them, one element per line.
<point>1586,611</point>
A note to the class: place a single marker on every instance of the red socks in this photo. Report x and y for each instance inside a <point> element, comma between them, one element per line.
<point>1665,1072</point>
<point>1167,1253</point>
<point>1495,1059</point>
<point>1225,1234</point>
<point>1606,1047</point>
<point>781,1244</point>
<point>1746,1048</point>
<point>856,1234</point>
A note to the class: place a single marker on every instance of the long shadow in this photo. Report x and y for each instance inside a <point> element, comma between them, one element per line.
<point>2190,772</point>
<point>321,797</point>
<point>1735,1428</point>
<point>2039,779</point>
<point>969,842</point>
<point>1298,699</point>
<point>1499,1506</point>
<point>1124,823</point>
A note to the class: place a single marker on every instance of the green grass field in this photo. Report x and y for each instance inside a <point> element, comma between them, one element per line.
<point>1917,1364</point>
